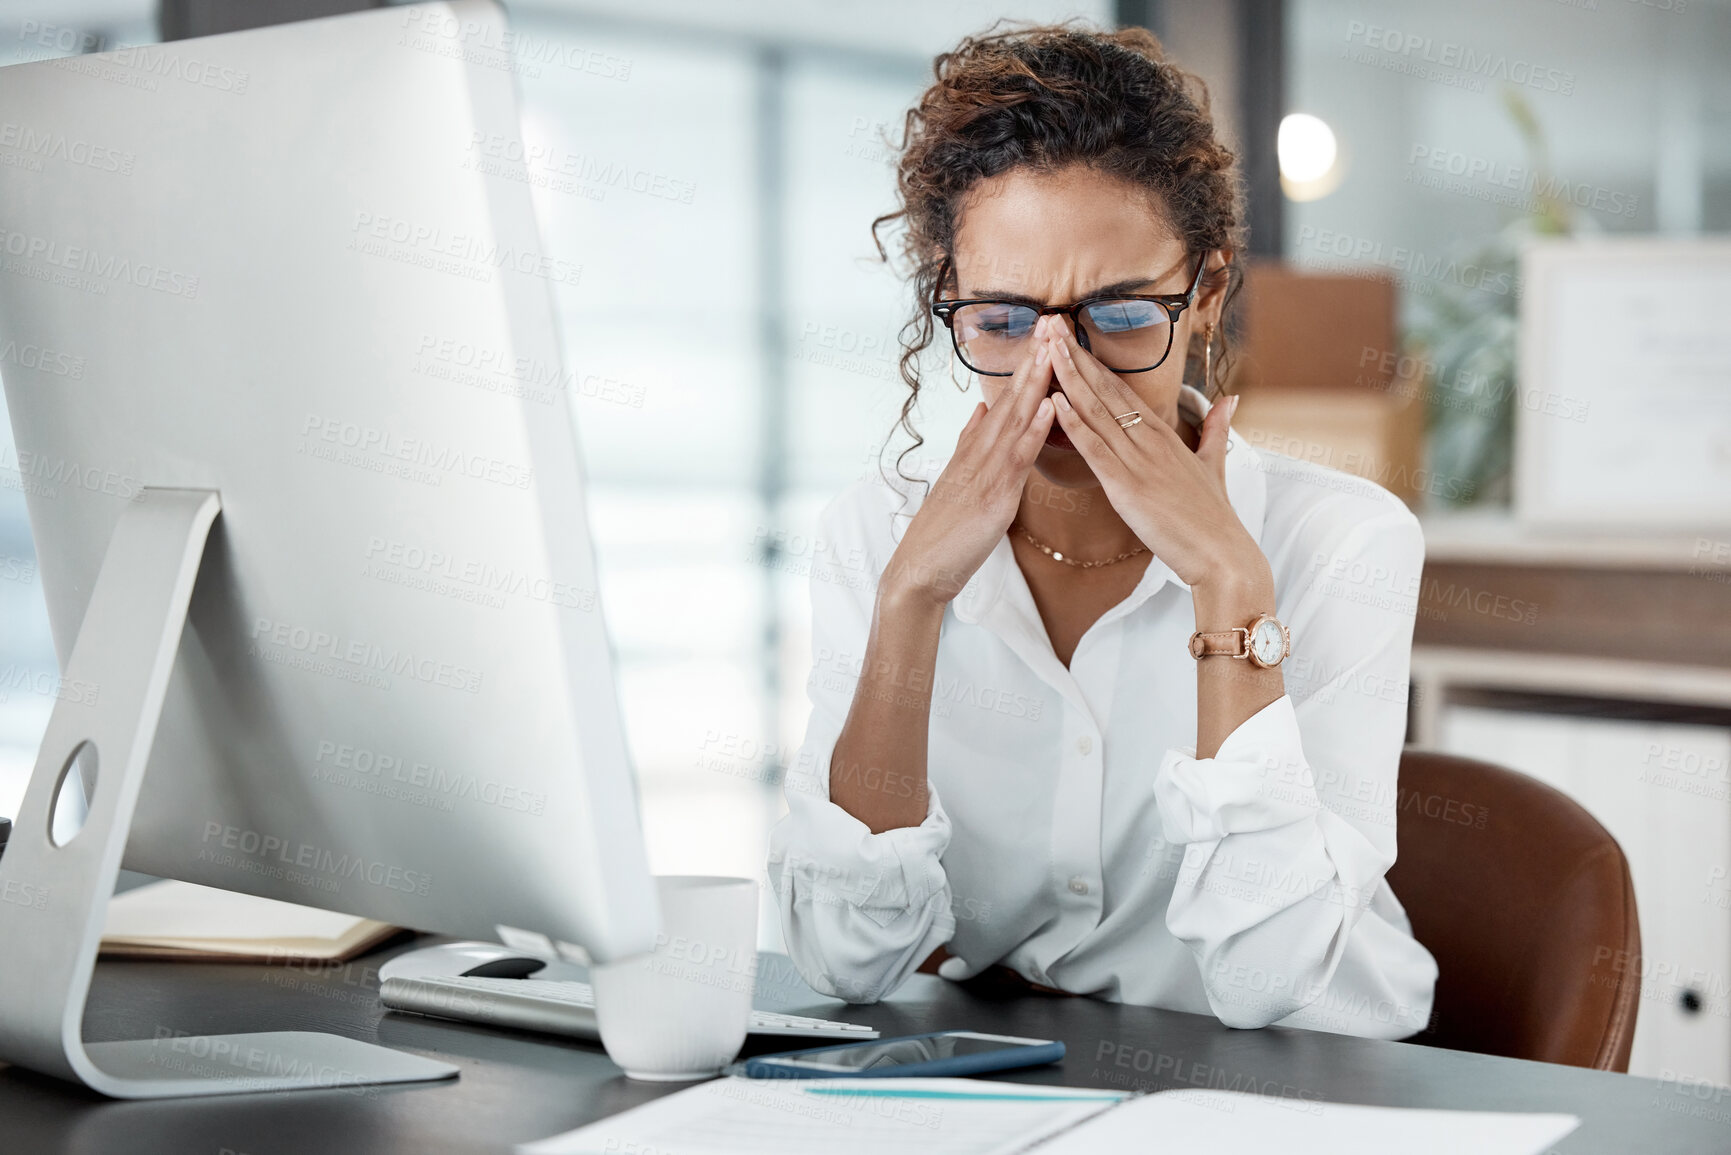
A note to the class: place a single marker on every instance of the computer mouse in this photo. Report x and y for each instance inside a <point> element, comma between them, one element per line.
<point>489,960</point>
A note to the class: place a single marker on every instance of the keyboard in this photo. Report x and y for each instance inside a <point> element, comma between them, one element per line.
<point>561,1008</point>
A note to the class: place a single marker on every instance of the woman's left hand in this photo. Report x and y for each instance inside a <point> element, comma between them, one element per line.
<point>1173,499</point>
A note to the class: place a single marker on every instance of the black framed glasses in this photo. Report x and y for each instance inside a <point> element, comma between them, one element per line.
<point>1129,333</point>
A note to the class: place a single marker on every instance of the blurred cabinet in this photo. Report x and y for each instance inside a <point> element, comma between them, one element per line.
<point>1664,792</point>
<point>1602,665</point>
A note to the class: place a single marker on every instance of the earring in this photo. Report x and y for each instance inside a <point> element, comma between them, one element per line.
<point>961,386</point>
<point>1208,360</point>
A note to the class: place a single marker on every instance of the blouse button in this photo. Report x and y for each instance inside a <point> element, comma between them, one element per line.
<point>1085,744</point>
<point>1079,885</point>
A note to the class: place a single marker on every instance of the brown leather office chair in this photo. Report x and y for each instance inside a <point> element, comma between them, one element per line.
<point>1527,904</point>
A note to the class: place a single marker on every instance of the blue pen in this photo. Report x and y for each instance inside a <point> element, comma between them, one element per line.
<point>891,1093</point>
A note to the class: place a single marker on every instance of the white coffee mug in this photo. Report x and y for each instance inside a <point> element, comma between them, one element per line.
<point>682,1011</point>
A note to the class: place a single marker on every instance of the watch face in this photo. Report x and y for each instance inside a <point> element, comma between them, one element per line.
<point>1268,642</point>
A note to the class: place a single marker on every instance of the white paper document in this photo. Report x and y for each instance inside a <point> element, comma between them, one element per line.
<point>975,1117</point>
<point>837,1117</point>
<point>1233,1123</point>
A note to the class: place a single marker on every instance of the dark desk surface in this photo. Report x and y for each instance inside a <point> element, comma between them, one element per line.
<point>516,1087</point>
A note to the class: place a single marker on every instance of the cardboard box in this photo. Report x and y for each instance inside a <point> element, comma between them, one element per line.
<point>1370,435</point>
<point>1317,330</point>
<point>1319,377</point>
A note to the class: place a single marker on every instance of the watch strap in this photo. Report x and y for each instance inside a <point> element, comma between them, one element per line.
<point>1233,643</point>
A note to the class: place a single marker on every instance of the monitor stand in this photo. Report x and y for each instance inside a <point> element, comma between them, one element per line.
<point>53,899</point>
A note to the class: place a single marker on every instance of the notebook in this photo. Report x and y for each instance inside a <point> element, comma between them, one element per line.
<point>181,920</point>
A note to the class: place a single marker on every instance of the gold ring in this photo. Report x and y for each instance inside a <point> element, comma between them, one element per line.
<point>1134,418</point>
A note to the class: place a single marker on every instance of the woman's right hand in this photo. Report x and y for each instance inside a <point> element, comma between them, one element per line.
<point>976,497</point>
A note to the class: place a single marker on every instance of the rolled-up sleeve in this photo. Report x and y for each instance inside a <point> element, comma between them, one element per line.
<point>859,911</point>
<point>1290,827</point>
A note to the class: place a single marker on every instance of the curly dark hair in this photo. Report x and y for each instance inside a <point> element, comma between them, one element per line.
<point>1047,97</point>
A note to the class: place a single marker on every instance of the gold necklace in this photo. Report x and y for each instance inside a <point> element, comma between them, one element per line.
<point>1057,556</point>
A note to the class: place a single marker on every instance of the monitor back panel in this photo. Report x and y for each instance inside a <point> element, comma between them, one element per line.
<point>270,263</point>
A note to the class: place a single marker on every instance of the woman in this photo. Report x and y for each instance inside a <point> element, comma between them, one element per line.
<point>1059,731</point>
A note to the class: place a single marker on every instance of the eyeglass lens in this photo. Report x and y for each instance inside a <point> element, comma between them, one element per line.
<point>1125,334</point>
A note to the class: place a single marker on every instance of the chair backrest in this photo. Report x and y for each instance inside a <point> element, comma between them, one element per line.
<point>1527,904</point>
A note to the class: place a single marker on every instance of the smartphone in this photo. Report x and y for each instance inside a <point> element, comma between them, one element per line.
<point>942,1053</point>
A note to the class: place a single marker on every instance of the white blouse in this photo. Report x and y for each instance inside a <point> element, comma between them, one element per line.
<point>1071,833</point>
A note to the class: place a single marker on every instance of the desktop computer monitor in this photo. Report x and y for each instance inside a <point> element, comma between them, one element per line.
<point>294,274</point>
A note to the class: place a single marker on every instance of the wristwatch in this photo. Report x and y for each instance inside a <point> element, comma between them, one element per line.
<point>1265,642</point>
